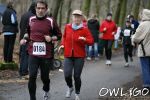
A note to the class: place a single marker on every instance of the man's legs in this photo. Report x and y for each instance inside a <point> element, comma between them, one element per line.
<point>33,69</point>
<point>45,69</point>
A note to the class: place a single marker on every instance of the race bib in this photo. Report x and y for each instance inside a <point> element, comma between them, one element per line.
<point>39,48</point>
<point>126,32</point>
<point>132,25</point>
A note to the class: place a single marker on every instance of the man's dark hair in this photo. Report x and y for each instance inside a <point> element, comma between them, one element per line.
<point>43,2</point>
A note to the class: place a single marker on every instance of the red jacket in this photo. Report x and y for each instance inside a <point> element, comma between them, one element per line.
<point>73,47</point>
<point>110,28</point>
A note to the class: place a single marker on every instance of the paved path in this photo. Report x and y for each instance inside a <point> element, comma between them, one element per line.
<point>96,75</point>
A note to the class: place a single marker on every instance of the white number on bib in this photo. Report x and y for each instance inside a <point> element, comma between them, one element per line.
<point>39,48</point>
<point>126,32</point>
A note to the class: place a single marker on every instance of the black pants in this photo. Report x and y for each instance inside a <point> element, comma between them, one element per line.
<point>23,70</point>
<point>100,46</point>
<point>127,51</point>
<point>34,64</point>
<point>107,44</point>
<point>9,41</point>
<point>75,64</point>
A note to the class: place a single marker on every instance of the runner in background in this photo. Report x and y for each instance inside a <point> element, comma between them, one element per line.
<point>126,34</point>
<point>93,26</point>
<point>108,30</point>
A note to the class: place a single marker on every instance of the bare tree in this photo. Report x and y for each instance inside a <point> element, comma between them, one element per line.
<point>117,12</point>
<point>55,7</point>
<point>136,8</point>
<point>69,11</point>
<point>122,12</point>
<point>86,7</point>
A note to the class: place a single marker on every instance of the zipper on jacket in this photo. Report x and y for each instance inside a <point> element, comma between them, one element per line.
<point>72,49</point>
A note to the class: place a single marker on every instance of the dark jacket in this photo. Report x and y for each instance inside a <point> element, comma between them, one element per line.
<point>136,24</point>
<point>126,34</point>
<point>93,26</point>
<point>25,20</point>
<point>6,21</point>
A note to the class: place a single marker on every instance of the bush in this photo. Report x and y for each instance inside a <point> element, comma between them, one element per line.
<point>12,66</point>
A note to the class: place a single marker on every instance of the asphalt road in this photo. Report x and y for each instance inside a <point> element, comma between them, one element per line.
<point>96,75</point>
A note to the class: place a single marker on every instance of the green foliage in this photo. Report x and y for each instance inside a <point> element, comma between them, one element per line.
<point>12,66</point>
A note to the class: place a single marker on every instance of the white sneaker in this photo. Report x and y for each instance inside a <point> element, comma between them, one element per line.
<point>89,58</point>
<point>109,62</point>
<point>69,92</point>
<point>77,97</point>
<point>126,65</point>
<point>46,95</point>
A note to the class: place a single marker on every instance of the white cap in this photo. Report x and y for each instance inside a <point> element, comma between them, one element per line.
<point>77,12</point>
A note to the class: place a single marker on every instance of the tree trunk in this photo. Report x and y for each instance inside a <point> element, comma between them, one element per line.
<point>86,7</point>
<point>148,4</point>
<point>136,9</point>
<point>117,13</point>
<point>55,7</point>
<point>108,6</point>
<point>60,14</point>
<point>122,13</point>
<point>97,7</point>
<point>69,11</point>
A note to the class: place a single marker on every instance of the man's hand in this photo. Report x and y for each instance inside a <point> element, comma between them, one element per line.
<point>48,38</point>
<point>23,41</point>
<point>82,38</point>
